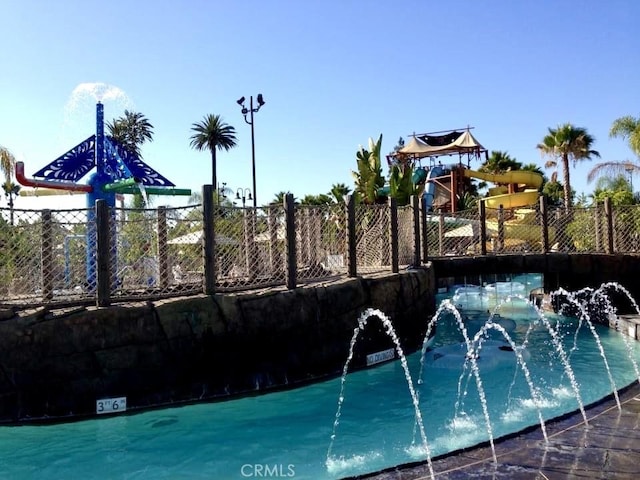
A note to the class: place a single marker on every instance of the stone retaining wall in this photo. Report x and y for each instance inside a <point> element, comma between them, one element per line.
<point>55,364</point>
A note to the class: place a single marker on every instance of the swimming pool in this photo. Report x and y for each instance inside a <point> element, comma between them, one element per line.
<point>288,434</point>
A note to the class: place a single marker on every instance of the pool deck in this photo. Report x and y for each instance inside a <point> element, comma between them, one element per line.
<point>609,448</point>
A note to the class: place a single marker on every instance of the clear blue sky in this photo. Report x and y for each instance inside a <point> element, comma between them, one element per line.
<point>333,73</point>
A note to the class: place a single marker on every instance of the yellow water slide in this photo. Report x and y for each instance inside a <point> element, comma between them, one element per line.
<point>530,181</point>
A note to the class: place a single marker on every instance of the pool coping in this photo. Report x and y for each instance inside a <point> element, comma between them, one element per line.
<point>608,447</point>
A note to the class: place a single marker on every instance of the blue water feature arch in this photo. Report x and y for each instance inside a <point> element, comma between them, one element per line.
<point>117,171</point>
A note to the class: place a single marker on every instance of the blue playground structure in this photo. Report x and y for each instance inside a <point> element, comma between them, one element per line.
<point>117,171</point>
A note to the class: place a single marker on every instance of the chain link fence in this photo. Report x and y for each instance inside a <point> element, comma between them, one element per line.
<point>373,245</point>
<point>51,256</point>
<point>456,233</point>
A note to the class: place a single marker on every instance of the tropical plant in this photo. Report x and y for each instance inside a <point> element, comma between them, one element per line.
<point>627,128</point>
<point>213,134</point>
<point>7,166</point>
<point>278,199</point>
<point>612,169</point>
<point>554,191</point>
<point>317,200</point>
<point>563,144</point>
<point>368,179</point>
<point>617,189</point>
<point>7,162</point>
<point>401,185</point>
<point>499,162</point>
<point>339,191</point>
<point>131,131</point>
<point>467,201</point>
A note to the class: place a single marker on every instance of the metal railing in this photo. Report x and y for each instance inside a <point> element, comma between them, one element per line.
<point>109,254</point>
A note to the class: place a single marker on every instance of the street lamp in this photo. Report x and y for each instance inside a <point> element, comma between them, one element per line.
<point>221,190</point>
<point>250,111</point>
<point>241,194</point>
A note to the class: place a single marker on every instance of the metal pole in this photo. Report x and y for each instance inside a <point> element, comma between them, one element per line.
<point>208,246</point>
<point>253,155</point>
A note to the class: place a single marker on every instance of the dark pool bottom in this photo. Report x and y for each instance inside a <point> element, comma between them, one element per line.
<point>608,448</point>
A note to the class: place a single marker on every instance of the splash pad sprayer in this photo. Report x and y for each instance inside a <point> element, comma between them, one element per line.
<point>117,171</point>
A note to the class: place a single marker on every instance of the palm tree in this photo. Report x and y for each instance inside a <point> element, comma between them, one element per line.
<point>565,143</point>
<point>316,200</point>
<point>627,128</point>
<point>612,169</point>
<point>131,131</point>
<point>339,191</point>
<point>7,162</point>
<point>213,134</point>
<point>278,199</point>
<point>500,162</point>
<point>7,166</point>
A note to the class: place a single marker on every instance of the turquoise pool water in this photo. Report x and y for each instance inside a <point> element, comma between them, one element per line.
<point>287,434</point>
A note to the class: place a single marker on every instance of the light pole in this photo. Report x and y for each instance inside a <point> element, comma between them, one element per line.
<point>241,194</point>
<point>221,191</point>
<point>250,111</point>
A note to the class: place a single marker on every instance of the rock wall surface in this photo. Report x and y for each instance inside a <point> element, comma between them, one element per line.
<point>56,363</point>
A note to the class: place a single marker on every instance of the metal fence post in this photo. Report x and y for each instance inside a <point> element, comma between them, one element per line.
<point>290,223</point>
<point>608,212</point>
<point>47,255</point>
<point>350,206</point>
<point>544,220</point>
<point>483,228</point>
<point>163,258</point>
<point>393,234</point>
<point>415,210</point>
<point>103,254</point>
<point>209,244</point>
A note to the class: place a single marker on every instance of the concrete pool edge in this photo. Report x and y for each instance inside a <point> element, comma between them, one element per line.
<point>607,448</point>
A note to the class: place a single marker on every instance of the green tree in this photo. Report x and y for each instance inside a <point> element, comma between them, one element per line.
<point>401,185</point>
<point>499,162</point>
<point>368,178</point>
<point>339,191</point>
<point>7,166</point>
<point>317,200</point>
<point>554,191</point>
<point>278,199</point>
<point>7,162</point>
<point>612,169</point>
<point>627,128</point>
<point>131,131</point>
<point>213,134</point>
<point>618,189</point>
<point>564,144</point>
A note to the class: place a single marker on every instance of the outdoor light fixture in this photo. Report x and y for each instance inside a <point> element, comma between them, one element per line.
<point>250,111</point>
<point>241,194</point>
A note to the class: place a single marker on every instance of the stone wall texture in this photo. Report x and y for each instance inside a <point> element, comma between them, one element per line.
<point>55,363</point>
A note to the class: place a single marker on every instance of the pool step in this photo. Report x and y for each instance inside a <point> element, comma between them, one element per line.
<point>628,324</point>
